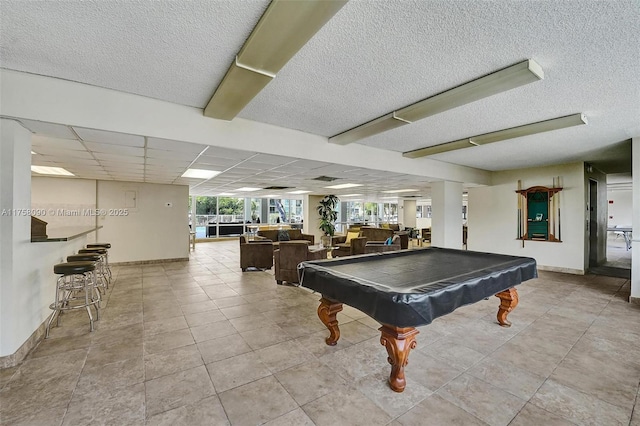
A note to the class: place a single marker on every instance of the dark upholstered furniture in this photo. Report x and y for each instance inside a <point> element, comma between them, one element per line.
<point>426,235</point>
<point>294,235</point>
<point>357,245</point>
<point>255,254</point>
<point>289,255</point>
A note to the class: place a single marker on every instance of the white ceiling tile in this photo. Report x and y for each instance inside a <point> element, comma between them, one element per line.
<point>47,142</point>
<point>170,145</point>
<point>48,129</point>
<point>101,136</point>
<point>114,149</point>
<point>156,153</point>
<point>168,162</point>
<point>103,157</point>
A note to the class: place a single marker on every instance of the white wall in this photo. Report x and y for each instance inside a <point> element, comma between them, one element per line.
<point>148,231</point>
<point>51,195</point>
<point>493,220</point>
<point>408,208</point>
<point>622,207</point>
<point>635,247</point>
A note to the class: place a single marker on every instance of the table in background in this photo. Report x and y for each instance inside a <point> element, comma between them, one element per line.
<point>410,288</point>
<point>626,233</point>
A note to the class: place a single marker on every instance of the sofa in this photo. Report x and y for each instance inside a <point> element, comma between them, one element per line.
<point>276,235</point>
<point>287,257</point>
<point>381,247</point>
<point>352,243</point>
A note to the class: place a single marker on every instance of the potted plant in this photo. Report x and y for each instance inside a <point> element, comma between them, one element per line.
<point>328,216</point>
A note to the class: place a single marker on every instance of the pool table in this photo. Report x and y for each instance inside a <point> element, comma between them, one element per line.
<point>410,288</point>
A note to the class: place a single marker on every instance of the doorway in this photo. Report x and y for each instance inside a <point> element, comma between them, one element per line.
<point>593,223</point>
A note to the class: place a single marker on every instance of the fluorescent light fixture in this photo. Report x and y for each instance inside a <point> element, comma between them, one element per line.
<point>283,29</point>
<point>300,191</point>
<point>501,135</point>
<point>500,81</point>
<point>344,186</point>
<point>200,174</point>
<point>225,194</point>
<point>399,190</point>
<point>46,170</point>
<point>248,189</point>
<point>351,195</point>
<point>32,153</point>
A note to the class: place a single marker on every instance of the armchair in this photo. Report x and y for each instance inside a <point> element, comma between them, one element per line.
<point>289,255</point>
<point>357,245</point>
<point>255,254</point>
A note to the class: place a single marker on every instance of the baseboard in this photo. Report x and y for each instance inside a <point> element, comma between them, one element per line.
<point>561,270</point>
<point>18,356</point>
<point>148,262</point>
<point>634,300</point>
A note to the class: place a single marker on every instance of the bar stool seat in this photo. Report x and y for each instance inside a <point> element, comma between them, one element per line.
<point>75,289</point>
<point>99,245</point>
<point>93,250</point>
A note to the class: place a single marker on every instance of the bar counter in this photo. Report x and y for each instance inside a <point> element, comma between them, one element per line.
<point>65,233</point>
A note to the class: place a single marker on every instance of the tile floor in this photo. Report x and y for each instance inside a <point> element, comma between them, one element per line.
<point>200,343</point>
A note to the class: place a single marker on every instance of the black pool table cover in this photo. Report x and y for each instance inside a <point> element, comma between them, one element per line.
<point>410,288</point>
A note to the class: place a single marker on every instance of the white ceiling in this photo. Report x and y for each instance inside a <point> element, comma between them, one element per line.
<point>372,57</point>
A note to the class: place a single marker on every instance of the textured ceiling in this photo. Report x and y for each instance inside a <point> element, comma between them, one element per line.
<point>372,57</point>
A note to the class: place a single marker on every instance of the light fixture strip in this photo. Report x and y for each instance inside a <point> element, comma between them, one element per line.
<point>256,70</point>
<point>500,81</point>
<point>501,135</point>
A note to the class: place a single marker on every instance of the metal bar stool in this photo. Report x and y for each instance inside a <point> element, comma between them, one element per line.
<point>100,279</point>
<point>105,246</point>
<point>75,289</point>
<point>102,252</point>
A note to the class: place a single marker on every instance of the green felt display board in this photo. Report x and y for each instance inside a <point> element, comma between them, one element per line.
<point>538,215</point>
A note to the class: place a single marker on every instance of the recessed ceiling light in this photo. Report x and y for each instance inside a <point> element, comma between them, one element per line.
<point>200,173</point>
<point>32,153</point>
<point>343,186</point>
<point>399,190</point>
<point>389,198</point>
<point>45,170</point>
<point>298,192</point>
<point>351,195</point>
<point>248,189</point>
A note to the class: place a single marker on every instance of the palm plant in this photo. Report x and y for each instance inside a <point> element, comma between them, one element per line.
<point>328,214</point>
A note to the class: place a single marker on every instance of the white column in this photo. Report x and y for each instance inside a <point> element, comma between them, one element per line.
<point>446,214</point>
<point>15,233</point>
<point>408,213</point>
<point>635,247</point>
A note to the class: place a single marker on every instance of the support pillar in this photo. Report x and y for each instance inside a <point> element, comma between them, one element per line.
<point>635,243</point>
<point>446,214</point>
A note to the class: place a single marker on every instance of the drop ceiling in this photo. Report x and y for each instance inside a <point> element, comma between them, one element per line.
<point>369,59</point>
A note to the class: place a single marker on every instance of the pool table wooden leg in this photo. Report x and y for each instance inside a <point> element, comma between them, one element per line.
<point>399,341</point>
<point>327,312</point>
<point>508,302</point>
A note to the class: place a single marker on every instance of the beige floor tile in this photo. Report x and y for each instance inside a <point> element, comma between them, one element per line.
<point>437,411</point>
<point>578,407</point>
<point>221,348</point>
<point>50,367</point>
<point>507,377</point>
<point>236,371</point>
<point>430,372</point>
<point>164,325</point>
<point>56,346</point>
<point>201,318</point>
<point>115,375</point>
<point>376,388</point>
<point>357,361</point>
<point>257,402</point>
<point>212,331</point>
<point>531,415</point>
<point>207,411</point>
<point>121,406</point>
<point>263,337</point>
<point>345,406</point>
<point>193,308</point>
<point>171,361</point>
<point>296,417</point>
<point>309,381</point>
<point>485,401</point>
<point>163,341</point>
<point>18,398</point>
<point>175,390</point>
<point>454,354</point>
<point>251,322</point>
<point>284,355</point>
<point>44,417</point>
